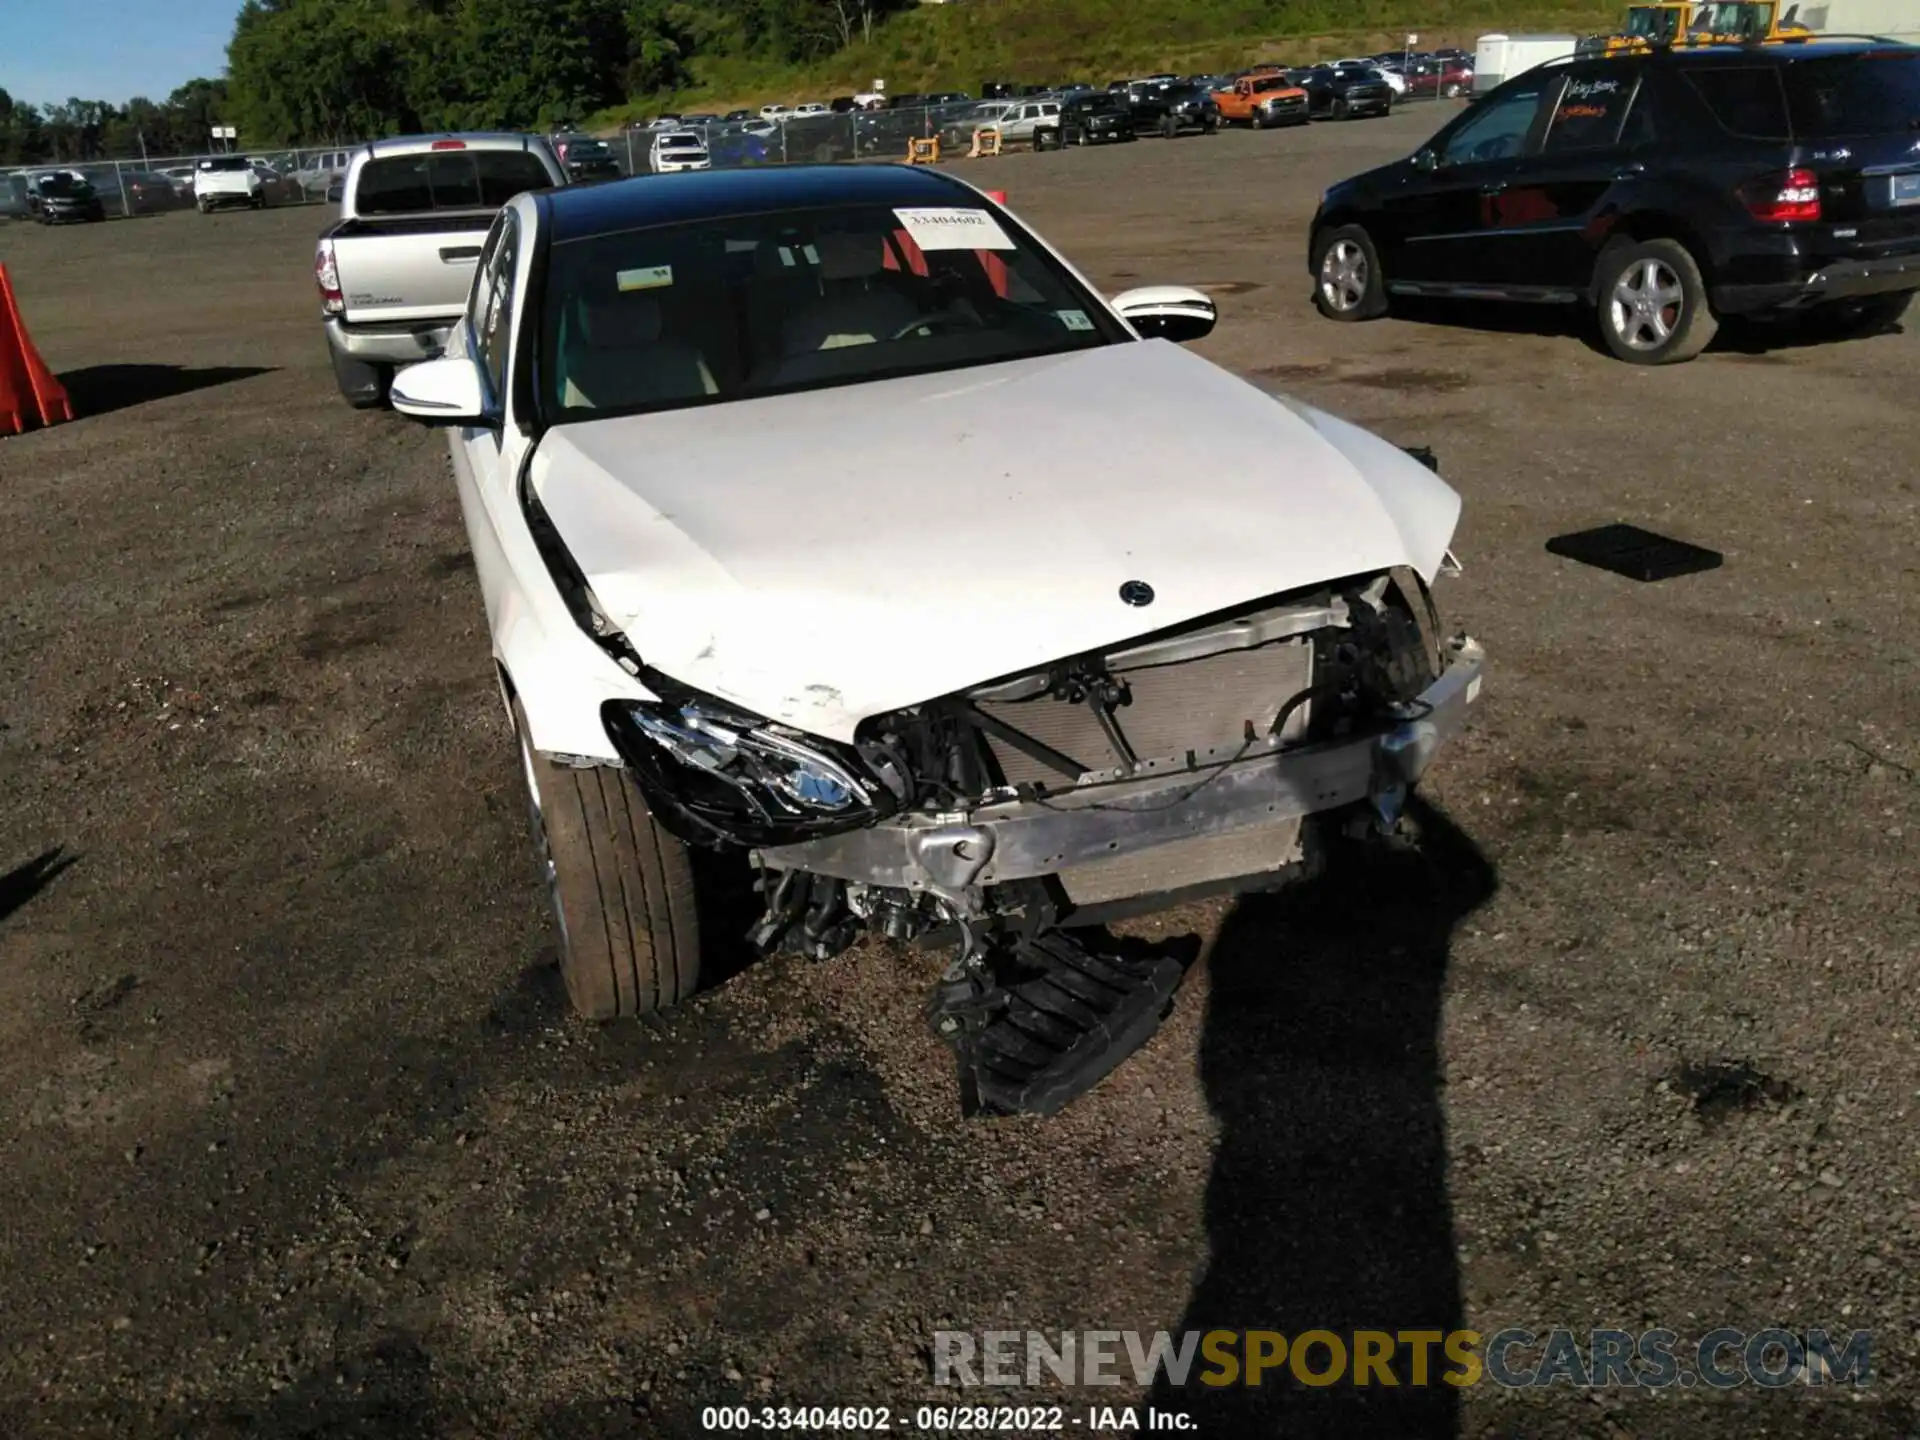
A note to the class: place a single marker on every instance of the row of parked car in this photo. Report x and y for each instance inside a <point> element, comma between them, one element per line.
<point>90,192</point>
<point>1041,115</point>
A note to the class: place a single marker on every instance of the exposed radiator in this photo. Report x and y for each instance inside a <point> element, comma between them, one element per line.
<point>1253,851</point>
<point>1200,705</point>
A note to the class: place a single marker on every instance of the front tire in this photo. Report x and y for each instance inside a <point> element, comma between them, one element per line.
<point>1652,303</point>
<point>1339,109</point>
<point>1347,283</point>
<point>622,888</point>
<point>1169,127</point>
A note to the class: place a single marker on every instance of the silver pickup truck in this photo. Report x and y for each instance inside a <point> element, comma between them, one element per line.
<point>394,271</point>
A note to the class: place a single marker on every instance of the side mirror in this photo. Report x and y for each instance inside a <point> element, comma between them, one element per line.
<point>447,391</point>
<point>1168,312</point>
<point>1425,160</point>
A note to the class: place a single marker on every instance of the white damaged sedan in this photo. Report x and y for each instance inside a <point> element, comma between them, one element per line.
<point>828,521</point>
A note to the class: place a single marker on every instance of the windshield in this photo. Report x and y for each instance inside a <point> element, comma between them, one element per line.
<point>679,142</point>
<point>64,185</point>
<point>1651,22</point>
<point>227,162</point>
<point>751,305</point>
<point>1855,95</point>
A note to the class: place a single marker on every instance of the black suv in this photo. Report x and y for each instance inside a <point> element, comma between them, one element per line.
<point>1093,119</point>
<point>1172,108</point>
<point>1344,92</point>
<point>1664,189</point>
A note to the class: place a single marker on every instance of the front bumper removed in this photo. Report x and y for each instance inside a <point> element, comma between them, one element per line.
<point>1010,840</point>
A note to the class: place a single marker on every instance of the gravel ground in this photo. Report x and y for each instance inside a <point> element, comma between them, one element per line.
<point>300,1140</point>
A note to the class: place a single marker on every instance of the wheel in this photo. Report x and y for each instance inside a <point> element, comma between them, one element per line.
<point>256,203</point>
<point>621,887</point>
<point>1080,139</point>
<point>1339,110</point>
<point>363,383</point>
<point>1262,120</point>
<point>1851,319</point>
<point>1347,283</point>
<point>203,207</point>
<point>1169,127</point>
<point>1653,303</point>
<point>1452,92</point>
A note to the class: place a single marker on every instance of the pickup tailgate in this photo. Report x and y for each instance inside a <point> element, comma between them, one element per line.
<point>408,267</point>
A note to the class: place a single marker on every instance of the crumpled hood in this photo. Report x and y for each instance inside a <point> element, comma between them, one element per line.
<point>825,556</point>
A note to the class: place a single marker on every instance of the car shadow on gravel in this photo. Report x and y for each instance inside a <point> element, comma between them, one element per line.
<point>1327,1208</point>
<point>102,389</point>
<point>20,884</point>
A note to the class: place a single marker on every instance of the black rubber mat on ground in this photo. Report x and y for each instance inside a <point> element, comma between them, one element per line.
<point>1635,553</point>
<point>1076,1007</point>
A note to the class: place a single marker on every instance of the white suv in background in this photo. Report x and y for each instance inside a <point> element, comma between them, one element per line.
<point>678,150</point>
<point>226,180</point>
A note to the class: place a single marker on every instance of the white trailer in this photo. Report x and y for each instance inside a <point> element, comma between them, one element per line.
<point>1498,58</point>
<point>1895,19</point>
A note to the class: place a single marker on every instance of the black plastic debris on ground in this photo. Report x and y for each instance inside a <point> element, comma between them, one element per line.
<point>1635,553</point>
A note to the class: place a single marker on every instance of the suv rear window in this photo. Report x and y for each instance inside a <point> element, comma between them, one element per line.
<point>447,180</point>
<point>1746,100</point>
<point>1854,95</point>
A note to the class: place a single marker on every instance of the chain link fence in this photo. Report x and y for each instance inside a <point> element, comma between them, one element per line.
<point>311,175</point>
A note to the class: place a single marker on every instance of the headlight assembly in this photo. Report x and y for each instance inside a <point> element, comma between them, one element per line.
<point>720,776</point>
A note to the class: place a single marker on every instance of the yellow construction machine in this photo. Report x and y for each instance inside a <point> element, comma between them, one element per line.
<point>1664,23</point>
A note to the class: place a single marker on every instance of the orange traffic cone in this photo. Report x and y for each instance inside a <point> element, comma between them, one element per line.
<point>996,267</point>
<point>29,395</point>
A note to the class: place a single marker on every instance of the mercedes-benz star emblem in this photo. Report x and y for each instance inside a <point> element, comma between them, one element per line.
<point>1137,592</point>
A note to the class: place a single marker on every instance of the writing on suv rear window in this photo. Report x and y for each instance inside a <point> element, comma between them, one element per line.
<point>1589,113</point>
<point>1857,95</point>
<point>1746,100</point>
<point>447,180</point>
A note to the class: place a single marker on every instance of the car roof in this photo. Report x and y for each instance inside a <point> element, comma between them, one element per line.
<point>1739,53</point>
<point>472,139</point>
<point>589,210</point>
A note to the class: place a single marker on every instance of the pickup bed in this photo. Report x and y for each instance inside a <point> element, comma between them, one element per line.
<point>395,270</point>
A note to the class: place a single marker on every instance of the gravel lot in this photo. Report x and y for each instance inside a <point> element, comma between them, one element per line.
<point>300,1140</point>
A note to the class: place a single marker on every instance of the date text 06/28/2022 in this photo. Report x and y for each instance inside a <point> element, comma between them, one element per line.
<point>943,1419</point>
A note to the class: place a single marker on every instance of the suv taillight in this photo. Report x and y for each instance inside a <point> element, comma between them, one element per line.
<point>1792,196</point>
<point>326,274</point>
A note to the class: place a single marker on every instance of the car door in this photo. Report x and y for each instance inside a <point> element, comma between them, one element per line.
<point>1437,221</point>
<point>484,335</point>
<point>1600,135</point>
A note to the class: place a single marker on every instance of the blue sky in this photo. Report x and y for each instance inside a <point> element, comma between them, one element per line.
<point>110,49</point>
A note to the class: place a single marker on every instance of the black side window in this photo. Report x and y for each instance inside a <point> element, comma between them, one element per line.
<point>493,330</point>
<point>1589,112</point>
<point>1499,126</point>
<point>1643,121</point>
<point>1746,100</point>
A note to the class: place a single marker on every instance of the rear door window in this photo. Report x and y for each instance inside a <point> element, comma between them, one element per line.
<point>1589,112</point>
<point>1746,100</point>
<point>1873,94</point>
<point>447,180</point>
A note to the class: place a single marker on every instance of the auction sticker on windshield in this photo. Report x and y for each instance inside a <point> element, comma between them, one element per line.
<point>941,227</point>
<point>649,277</point>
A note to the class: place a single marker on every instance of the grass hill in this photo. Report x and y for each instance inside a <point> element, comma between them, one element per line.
<point>957,46</point>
